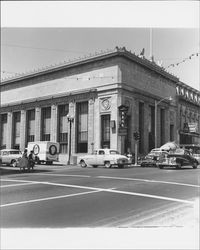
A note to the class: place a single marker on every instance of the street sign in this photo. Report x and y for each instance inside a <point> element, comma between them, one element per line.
<point>122,131</point>
<point>193,127</point>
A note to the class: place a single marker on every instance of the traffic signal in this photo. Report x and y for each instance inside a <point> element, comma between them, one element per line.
<point>136,136</point>
<point>123,119</point>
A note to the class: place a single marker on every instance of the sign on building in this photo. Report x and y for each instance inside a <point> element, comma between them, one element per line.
<point>193,127</point>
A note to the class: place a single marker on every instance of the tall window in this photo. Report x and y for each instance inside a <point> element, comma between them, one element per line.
<point>171,132</point>
<point>3,131</point>
<point>141,127</point>
<point>151,127</point>
<point>82,127</point>
<point>16,130</point>
<point>63,127</point>
<point>105,131</point>
<point>162,126</point>
<point>46,124</point>
<point>30,125</point>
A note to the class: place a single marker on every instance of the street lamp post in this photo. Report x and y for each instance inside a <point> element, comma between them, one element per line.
<point>70,120</point>
<point>156,110</point>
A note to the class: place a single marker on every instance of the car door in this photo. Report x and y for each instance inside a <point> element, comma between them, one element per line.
<point>100,157</point>
<point>5,157</point>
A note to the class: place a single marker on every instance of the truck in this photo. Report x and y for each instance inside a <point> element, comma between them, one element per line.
<point>44,151</point>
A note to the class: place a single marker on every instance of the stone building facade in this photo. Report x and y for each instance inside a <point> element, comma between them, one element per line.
<point>188,117</point>
<point>35,106</point>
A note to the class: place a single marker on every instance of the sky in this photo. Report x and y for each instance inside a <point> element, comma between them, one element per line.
<point>31,45</point>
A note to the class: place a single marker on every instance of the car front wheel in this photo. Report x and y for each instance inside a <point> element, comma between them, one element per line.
<point>195,165</point>
<point>107,164</point>
<point>83,164</point>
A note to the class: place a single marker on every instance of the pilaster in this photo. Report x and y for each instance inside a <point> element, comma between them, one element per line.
<point>72,106</point>
<point>90,125</point>
<point>23,130</point>
<point>37,124</point>
<point>54,122</point>
<point>9,130</point>
<point>146,128</point>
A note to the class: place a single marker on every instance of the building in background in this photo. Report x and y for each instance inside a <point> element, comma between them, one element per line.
<point>188,114</point>
<point>110,96</point>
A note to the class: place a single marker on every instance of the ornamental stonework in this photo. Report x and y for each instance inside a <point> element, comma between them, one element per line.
<point>105,104</point>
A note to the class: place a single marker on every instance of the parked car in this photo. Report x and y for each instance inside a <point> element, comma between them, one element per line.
<point>194,150</point>
<point>153,158</point>
<point>10,156</point>
<point>104,157</point>
<point>178,159</point>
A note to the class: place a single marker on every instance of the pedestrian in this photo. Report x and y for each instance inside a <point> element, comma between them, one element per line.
<point>23,162</point>
<point>31,161</point>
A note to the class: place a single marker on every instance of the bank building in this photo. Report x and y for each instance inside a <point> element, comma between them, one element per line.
<point>99,101</point>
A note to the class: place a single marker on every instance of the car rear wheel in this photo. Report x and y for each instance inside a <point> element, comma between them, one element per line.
<point>161,166</point>
<point>13,163</point>
<point>83,164</point>
<point>107,164</point>
<point>195,165</point>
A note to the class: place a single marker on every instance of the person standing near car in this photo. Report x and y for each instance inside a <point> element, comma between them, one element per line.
<point>31,161</point>
<point>23,163</point>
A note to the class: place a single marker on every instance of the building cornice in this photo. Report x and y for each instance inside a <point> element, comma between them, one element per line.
<point>93,58</point>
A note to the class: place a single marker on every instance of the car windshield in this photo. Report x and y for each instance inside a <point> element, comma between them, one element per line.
<point>15,152</point>
<point>114,152</point>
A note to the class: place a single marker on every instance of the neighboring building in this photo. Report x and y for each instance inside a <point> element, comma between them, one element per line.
<point>188,114</point>
<point>35,106</point>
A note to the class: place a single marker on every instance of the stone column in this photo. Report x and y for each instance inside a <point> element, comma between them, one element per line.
<point>159,126</point>
<point>23,130</point>
<point>167,125</point>
<point>72,107</point>
<point>146,128</point>
<point>37,124</point>
<point>54,122</point>
<point>90,126</point>
<point>9,141</point>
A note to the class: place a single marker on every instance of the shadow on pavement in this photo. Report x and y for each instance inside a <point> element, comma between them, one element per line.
<point>13,171</point>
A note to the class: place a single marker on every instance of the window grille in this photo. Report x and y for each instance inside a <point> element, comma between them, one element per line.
<point>82,127</point>
<point>31,125</point>
<point>3,130</point>
<point>63,110</point>
<point>16,128</point>
<point>46,123</point>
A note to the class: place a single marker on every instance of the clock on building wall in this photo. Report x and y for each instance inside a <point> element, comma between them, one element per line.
<point>105,104</point>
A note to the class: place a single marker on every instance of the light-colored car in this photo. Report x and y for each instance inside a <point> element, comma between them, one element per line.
<point>10,156</point>
<point>104,157</point>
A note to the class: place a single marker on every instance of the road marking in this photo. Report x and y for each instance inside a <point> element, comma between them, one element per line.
<point>14,185</point>
<point>70,175</point>
<point>145,180</point>
<point>111,191</point>
<point>48,198</point>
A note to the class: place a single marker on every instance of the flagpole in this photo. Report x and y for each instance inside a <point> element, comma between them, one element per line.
<point>151,43</point>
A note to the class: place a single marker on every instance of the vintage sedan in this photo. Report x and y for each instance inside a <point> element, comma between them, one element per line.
<point>104,157</point>
<point>152,159</point>
<point>178,159</point>
<point>10,156</point>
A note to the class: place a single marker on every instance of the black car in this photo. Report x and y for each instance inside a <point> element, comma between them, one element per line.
<point>152,159</point>
<point>178,159</point>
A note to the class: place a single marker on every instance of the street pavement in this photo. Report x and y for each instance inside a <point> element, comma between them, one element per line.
<point>61,196</point>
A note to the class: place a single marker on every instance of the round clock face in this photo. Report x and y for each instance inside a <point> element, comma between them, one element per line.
<point>106,104</point>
